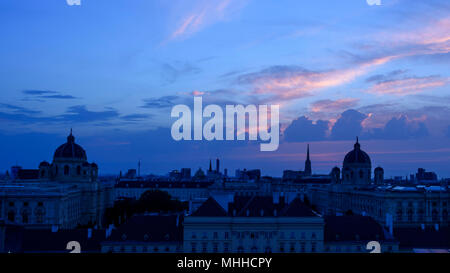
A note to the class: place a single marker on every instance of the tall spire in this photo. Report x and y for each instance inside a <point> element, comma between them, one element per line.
<point>307,153</point>
<point>308,170</point>
<point>210,166</point>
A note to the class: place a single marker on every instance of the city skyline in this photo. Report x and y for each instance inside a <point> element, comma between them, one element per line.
<point>113,70</point>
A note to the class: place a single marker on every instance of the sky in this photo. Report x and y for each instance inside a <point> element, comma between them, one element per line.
<point>113,70</point>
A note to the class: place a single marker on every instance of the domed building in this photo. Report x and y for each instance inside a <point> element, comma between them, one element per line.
<point>69,164</point>
<point>357,166</point>
<point>65,193</point>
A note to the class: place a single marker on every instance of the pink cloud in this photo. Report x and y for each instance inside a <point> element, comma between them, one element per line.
<point>203,14</point>
<point>407,86</point>
<point>333,105</point>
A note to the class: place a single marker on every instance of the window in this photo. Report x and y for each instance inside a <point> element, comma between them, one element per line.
<point>313,247</point>
<point>215,247</point>
<point>226,247</point>
<point>25,216</point>
<point>11,216</point>
<point>78,170</point>
<point>313,235</point>
<point>361,174</point>
<point>302,247</point>
<point>194,236</point>
<point>434,215</point>
<point>226,235</point>
<point>204,247</point>
<point>292,248</point>
<point>193,247</point>
<point>281,247</point>
<point>66,170</point>
<point>216,235</point>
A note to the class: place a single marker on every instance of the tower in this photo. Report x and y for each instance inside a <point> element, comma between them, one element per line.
<point>307,163</point>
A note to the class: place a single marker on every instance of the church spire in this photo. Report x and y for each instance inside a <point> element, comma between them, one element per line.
<point>308,170</point>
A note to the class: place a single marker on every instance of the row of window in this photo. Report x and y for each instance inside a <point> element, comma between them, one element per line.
<point>254,235</point>
<point>282,248</point>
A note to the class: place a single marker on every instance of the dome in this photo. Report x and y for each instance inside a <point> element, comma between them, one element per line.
<point>379,169</point>
<point>70,150</point>
<point>44,164</point>
<point>357,156</point>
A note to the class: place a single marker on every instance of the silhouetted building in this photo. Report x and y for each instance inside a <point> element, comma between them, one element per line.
<point>147,234</point>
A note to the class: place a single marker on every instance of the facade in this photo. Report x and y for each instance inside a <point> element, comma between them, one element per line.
<point>256,224</point>
<point>65,193</point>
<point>393,206</point>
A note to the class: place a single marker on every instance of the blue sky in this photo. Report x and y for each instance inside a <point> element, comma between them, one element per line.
<point>112,70</point>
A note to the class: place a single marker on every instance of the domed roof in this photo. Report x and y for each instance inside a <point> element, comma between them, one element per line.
<point>44,164</point>
<point>357,156</point>
<point>70,150</point>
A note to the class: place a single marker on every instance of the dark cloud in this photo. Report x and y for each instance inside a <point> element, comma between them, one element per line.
<point>136,117</point>
<point>79,113</point>
<point>38,92</point>
<point>161,102</point>
<point>47,94</point>
<point>303,129</point>
<point>399,128</point>
<point>61,97</point>
<point>18,109</point>
<point>348,126</point>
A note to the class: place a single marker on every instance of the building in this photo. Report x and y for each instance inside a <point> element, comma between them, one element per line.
<point>147,234</point>
<point>181,190</point>
<point>352,233</point>
<point>289,175</point>
<point>65,193</point>
<point>253,224</point>
<point>390,205</point>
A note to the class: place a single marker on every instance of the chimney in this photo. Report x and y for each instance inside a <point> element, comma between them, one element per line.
<point>89,233</point>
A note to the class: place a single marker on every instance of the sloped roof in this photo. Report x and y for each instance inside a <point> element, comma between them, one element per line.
<point>298,209</point>
<point>353,228</point>
<point>255,206</point>
<point>151,228</point>
<point>210,208</point>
